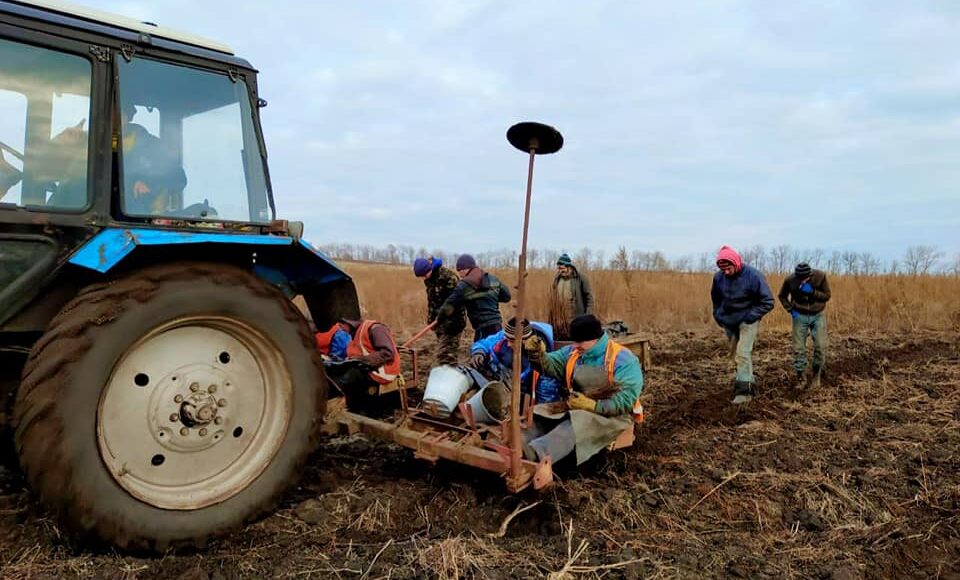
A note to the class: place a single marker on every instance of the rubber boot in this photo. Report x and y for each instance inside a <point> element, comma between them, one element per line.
<point>742,392</point>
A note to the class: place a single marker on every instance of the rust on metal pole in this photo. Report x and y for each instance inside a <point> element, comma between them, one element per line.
<point>516,449</point>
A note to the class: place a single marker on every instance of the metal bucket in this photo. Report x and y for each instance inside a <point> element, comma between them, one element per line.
<point>445,386</point>
<point>491,404</point>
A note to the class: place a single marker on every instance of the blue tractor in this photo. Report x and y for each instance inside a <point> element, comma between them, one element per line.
<point>159,383</point>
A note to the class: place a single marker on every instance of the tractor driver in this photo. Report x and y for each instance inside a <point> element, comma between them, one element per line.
<point>152,175</point>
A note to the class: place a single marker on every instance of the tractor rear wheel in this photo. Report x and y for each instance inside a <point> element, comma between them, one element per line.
<point>169,406</point>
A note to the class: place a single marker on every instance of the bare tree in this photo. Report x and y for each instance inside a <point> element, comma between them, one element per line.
<point>780,258</point>
<point>850,261</point>
<point>756,256</point>
<point>705,263</point>
<point>869,265</point>
<point>920,260</point>
<point>835,262</point>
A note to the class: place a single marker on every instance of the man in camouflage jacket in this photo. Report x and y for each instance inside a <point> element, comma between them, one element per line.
<point>439,281</point>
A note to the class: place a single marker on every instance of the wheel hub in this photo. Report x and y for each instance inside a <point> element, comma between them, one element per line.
<point>198,409</point>
<point>194,412</point>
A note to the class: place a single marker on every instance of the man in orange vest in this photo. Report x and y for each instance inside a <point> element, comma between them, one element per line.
<point>360,355</point>
<point>603,380</point>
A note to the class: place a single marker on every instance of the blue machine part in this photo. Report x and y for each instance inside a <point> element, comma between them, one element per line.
<point>303,262</point>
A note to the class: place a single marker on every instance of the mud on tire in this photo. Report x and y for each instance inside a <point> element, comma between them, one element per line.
<point>69,369</point>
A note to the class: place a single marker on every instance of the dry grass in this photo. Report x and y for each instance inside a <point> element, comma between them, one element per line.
<point>659,301</point>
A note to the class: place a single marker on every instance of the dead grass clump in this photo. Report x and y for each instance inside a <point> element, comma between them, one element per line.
<point>458,557</point>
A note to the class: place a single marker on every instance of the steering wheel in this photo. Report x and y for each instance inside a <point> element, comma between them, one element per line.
<point>14,152</point>
<point>197,210</point>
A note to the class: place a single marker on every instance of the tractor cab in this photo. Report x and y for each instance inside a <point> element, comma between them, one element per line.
<point>172,140</point>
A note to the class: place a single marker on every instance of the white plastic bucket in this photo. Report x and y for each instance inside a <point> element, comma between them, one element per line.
<point>445,386</point>
<point>491,404</point>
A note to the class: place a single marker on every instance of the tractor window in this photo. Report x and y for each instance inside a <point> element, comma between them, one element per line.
<point>189,146</point>
<point>44,108</point>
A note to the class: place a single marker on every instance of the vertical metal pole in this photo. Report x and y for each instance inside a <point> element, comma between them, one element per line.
<point>516,450</point>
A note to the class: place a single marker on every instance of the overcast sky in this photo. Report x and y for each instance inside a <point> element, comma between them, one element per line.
<point>687,124</point>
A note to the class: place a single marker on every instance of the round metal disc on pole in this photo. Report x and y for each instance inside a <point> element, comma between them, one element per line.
<point>537,137</point>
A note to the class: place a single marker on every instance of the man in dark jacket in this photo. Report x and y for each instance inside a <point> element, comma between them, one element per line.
<point>741,298</point>
<point>804,294</point>
<point>480,294</point>
<point>439,282</point>
<point>570,297</point>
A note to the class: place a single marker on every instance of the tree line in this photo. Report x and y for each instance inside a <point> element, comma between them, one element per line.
<point>781,259</point>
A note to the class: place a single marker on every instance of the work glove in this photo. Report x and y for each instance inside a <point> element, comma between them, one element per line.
<point>477,360</point>
<point>535,349</point>
<point>794,314</point>
<point>534,344</point>
<point>806,288</point>
<point>581,402</point>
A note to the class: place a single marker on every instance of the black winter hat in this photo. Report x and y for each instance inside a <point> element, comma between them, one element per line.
<point>585,327</point>
<point>802,270</point>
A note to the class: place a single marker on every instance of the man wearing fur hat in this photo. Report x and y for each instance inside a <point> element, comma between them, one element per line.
<point>804,295</point>
<point>480,294</point>
<point>493,357</point>
<point>603,381</point>
<point>740,298</point>
<point>570,297</point>
<point>439,282</point>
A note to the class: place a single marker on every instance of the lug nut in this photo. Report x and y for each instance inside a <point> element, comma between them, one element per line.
<point>203,432</point>
<point>222,403</point>
<point>195,387</point>
<point>212,389</point>
<point>218,420</point>
<point>184,431</point>
<point>174,417</point>
<point>178,399</point>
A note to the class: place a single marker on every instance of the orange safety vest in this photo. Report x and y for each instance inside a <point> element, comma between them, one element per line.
<point>361,345</point>
<point>609,363</point>
<point>325,338</point>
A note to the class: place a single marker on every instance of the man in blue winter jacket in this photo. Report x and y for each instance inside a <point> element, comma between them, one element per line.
<point>493,357</point>
<point>741,298</point>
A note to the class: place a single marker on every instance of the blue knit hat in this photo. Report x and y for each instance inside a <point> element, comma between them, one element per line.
<point>564,260</point>
<point>465,262</point>
<point>421,266</point>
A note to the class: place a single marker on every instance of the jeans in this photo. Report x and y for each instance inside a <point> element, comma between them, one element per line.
<point>741,341</point>
<point>816,325</point>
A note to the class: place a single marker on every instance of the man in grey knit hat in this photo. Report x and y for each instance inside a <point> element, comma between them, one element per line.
<point>804,295</point>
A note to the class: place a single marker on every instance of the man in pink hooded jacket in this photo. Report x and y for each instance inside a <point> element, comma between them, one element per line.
<point>741,298</point>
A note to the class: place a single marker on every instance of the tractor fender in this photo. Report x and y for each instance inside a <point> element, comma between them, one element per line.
<point>292,264</point>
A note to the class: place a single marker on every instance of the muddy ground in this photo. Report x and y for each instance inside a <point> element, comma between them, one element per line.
<point>860,478</point>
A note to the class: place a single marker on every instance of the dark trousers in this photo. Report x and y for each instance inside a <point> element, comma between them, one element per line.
<point>485,331</point>
<point>448,346</point>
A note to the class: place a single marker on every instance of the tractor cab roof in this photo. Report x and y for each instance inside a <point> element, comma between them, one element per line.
<point>53,13</point>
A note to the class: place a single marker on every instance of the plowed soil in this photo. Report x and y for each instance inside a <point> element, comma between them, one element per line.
<point>858,478</point>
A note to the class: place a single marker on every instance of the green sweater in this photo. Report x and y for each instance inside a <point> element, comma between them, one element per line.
<point>627,375</point>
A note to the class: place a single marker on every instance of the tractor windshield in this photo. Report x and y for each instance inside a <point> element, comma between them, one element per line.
<point>188,144</point>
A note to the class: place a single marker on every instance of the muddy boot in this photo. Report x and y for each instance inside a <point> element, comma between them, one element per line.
<point>800,383</point>
<point>742,392</point>
<point>814,381</point>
